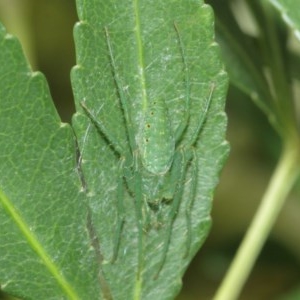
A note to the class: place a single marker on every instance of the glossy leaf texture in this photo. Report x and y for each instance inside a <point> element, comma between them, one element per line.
<point>44,246</point>
<point>129,49</point>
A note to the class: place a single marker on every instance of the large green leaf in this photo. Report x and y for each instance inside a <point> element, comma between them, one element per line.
<point>145,51</point>
<point>60,195</point>
<point>44,248</point>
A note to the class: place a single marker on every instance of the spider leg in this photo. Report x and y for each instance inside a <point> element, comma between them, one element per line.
<point>120,185</point>
<point>102,129</point>
<point>135,173</point>
<point>124,103</point>
<point>194,175</point>
<point>195,134</point>
<point>120,214</point>
<point>140,224</point>
<point>188,145</point>
<point>147,213</point>
<point>177,177</point>
<point>182,127</point>
<point>179,133</point>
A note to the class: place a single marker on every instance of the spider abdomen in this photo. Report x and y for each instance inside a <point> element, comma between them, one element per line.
<point>157,142</point>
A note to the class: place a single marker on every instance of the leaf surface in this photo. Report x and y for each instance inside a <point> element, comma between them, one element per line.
<point>131,50</point>
<point>44,247</point>
<point>60,204</point>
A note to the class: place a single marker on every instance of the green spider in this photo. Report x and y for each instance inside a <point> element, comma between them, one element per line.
<point>154,166</point>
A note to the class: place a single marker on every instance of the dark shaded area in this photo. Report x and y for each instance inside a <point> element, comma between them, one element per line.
<point>52,23</point>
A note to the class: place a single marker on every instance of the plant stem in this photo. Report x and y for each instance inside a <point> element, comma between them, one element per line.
<point>283,179</point>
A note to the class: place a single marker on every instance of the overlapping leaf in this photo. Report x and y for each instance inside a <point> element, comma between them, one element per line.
<point>44,247</point>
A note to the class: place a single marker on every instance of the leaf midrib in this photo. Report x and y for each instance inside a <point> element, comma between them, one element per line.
<point>37,247</point>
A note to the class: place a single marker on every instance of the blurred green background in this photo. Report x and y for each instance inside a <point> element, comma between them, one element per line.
<point>45,30</point>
